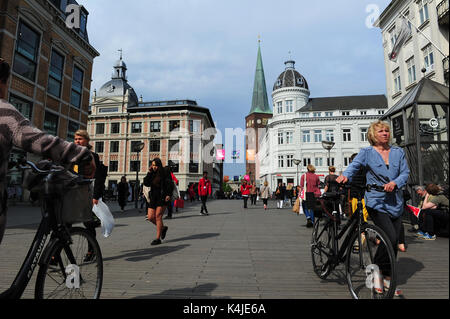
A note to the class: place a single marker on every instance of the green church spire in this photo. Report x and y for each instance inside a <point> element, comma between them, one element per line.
<point>260,103</point>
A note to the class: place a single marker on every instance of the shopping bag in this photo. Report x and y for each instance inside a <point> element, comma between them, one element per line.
<point>101,210</point>
<point>179,203</point>
<point>296,207</point>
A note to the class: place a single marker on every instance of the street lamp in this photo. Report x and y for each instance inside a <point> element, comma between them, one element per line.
<point>137,148</point>
<point>297,162</point>
<point>328,146</point>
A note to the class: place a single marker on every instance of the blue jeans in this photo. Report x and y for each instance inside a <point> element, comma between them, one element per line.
<point>309,213</point>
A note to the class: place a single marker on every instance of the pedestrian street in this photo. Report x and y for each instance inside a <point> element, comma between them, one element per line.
<point>232,253</point>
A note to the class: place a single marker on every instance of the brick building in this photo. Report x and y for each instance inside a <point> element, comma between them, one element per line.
<point>51,65</point>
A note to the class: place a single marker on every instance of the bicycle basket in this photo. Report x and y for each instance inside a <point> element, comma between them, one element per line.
<point>77,204</point>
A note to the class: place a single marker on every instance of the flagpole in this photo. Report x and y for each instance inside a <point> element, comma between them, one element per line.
<point>443,54</point>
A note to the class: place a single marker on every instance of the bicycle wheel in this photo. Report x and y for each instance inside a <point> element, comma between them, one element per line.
<point>369,256</point>
<point>322,247</point>
<point>72,271</point>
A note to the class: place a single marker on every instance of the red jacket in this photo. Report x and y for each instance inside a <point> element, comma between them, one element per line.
<point>204,187</point>
<point>245,189</point>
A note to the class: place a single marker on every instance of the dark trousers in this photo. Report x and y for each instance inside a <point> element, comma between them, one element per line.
<point>392,227</point>
<point>253,199</point>
<point>245,201</point>
<point>204,199</point>
<point>434,221</point>
<point>169,209</point>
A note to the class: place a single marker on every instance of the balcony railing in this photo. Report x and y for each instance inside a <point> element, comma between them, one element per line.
<point>442,11</point>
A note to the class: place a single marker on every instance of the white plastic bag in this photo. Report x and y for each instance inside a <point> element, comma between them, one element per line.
<point>101,210</point>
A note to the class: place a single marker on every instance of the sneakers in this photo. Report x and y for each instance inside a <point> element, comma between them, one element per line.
<point>164,232</point>
<point>420,233</point>
<point>427,236</point>
<point>156,242</point>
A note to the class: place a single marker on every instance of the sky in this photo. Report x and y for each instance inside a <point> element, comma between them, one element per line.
<point>206,50</point>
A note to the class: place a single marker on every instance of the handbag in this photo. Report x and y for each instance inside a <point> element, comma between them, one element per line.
<point>175,192</point>
<point>296,207</point>
<point>146,191</point>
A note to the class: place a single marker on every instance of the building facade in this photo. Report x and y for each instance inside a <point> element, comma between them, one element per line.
<point>178,131</point>
<point>424,53</point>
<point>293,137</point>
<point>51,66</point>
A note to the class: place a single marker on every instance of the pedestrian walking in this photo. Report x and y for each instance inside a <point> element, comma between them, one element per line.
<point>123,191</point>
<point>253,194</point>
<point>171,204</point>
<point>17,131</point>
<point>279,195</point>
<point>245,191</point>
<point>385,166</point>
<point>265,194</point>
<point>161,188</point>
<point>312,192</point>
<point>204,190</point>
<point>82,139</point>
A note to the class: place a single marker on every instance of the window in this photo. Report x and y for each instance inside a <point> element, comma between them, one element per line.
<point>100,128</point>
<point>77,87</point>
<point>113,166</point>
<point>115,128</point>
<point>347,161</point>
<point>328,114</point>
<point>317,114</point>
<point>135,166</point>
<point>51,123</point>
<point>194,126</point>
<point>346,113</point>
<point>305,114</point>
<point>329,135</point>
<point>280,107</point>
<point>397,81</point>
<point>289,137</point>
<point>155,127</point>
<point>306,136</point>
<point>428,58</point>
<point>175,166</point>
<point>392,37</point>
<point>347,135</point>
<point>317,136</point>
<point>411,70</point>
<point>193,167</point>
<point>22,106</point>
<point>330,160</point>
<point>114,147</point>
<point>27,52</point>
<point>290,161</point>
<point>136,127</point>
<point>174,126</point>
<point>423,11</point>
<point>280,138</point>
<point>134,145</point>
<point>306,161</point>
<point>289,107</point>
<point>380,112</point>
<point>364,134</point>
<point>281,161</point>
<point>71,129</point>
<point>55,74</point>
<point>318,161</point>
<point>174,146</point>
<point>155,146</point>
<point>363,112</point>
<point>99,147</point>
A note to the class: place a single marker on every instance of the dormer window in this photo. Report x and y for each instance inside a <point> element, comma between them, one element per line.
<point>279,82</point>
<point>300,81</point>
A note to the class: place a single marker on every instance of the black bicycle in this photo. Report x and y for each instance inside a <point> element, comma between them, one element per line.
<point>366,249</point>
<point>70,262</point>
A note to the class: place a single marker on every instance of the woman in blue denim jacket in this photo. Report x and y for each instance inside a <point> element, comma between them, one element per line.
<point>385,165</point>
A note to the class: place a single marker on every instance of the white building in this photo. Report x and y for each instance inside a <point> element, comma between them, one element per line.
<point>300,124</point>
<point>427,48</point>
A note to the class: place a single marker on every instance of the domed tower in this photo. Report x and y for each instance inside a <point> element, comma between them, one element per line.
<point>257,119</point>
<point>116,93</point>
<point>290,92</point>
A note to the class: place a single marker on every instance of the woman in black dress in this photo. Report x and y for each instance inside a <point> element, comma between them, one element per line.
<point>161,187</point>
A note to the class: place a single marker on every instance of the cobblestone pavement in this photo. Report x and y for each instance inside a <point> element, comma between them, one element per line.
<point>232,253</point>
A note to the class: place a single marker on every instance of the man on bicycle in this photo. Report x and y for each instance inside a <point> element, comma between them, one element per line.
<point>16,130</point>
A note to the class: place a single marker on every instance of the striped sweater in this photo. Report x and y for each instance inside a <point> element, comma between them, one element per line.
<point>16,130</point>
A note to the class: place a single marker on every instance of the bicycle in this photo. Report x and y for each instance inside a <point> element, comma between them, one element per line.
<point>360,250</point>
<point>70,264</point>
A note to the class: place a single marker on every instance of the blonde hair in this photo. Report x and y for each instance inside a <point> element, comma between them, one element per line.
<point>311,168</point>
<point>372,130</point>
<point>84,134</point>
<point>266,183</point>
